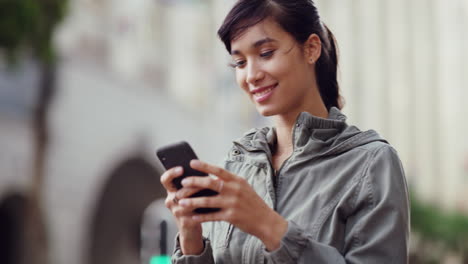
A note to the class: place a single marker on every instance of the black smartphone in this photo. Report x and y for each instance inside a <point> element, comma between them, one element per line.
<point>180,154</point>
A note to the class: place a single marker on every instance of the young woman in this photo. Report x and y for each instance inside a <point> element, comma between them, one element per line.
<point>311,189</point>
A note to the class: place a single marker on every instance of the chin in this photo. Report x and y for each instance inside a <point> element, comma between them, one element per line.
<point>266,111</point>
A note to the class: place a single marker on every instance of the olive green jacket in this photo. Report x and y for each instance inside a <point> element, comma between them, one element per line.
<point>342,191</point>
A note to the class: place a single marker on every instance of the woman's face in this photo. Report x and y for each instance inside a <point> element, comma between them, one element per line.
<point>273,69</point>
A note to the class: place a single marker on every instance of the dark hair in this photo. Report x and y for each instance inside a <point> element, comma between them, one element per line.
<point>300,18</point>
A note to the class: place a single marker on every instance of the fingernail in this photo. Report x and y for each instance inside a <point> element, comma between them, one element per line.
<point>196,163</point>
<point>183,202</point>
<point>196,217</point>
<point>185,181</point>
<point>178,170</point>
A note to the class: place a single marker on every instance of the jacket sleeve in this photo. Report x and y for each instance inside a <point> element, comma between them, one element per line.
<point>376,232</point>
<point>206,257</point>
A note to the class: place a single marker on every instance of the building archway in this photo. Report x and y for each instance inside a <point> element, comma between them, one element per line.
<point>117,218</point>
<point>12,215</point>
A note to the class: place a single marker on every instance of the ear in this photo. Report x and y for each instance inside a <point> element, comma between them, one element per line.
<point>312,48</point>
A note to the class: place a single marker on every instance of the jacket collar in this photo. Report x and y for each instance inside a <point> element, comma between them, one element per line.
<point>312,136</point>
<point>264,138</point>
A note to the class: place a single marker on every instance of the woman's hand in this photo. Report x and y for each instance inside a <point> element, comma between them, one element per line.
<point>240,204</point>
<point>190,231</point>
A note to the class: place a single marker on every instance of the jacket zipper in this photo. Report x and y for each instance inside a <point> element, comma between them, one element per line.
<point>277,179</point>
<point>276,173</point>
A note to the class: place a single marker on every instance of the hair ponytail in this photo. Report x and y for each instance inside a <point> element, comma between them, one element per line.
<point>326,70</point>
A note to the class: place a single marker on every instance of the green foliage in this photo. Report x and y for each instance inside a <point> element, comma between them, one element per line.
<point>449,228</point>
<point>29,24</point>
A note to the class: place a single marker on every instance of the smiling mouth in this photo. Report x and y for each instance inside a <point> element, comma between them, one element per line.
<point>263,90</point>
<point>262,94</point>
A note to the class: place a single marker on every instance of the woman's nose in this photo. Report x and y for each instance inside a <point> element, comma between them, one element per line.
<point>254,74</point>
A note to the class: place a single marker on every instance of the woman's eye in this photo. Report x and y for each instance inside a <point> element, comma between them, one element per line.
<point>267,54</point>
<point>238,64</point>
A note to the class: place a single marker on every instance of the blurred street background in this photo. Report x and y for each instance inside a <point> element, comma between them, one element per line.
<point>90,88</point>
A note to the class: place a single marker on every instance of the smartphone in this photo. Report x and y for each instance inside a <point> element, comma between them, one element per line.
<point>180,154</point>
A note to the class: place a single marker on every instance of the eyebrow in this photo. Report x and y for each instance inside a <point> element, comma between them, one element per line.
<point>257,44</point>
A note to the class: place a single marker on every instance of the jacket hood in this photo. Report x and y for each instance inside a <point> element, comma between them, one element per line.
<point>313,135</point>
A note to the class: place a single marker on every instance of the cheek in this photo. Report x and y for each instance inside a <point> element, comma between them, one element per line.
<point>288,71</point>
<point>240,79</point>
<point>279,68</point>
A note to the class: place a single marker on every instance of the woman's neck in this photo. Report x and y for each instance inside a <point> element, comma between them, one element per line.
<point>284,127</point>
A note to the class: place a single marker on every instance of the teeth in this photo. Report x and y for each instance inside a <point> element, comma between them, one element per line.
<point>263,92</point>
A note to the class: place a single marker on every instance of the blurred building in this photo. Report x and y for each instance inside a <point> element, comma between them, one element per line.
<point>18,92</point>
<point>135,75</point>
<point>404,68</point>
